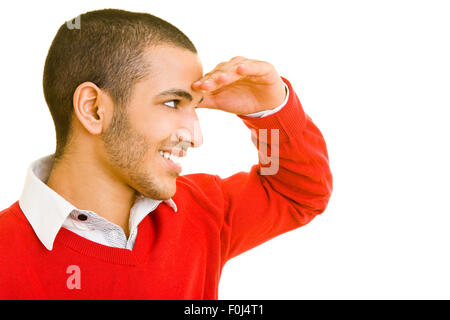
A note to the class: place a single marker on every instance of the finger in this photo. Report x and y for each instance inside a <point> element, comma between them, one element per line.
<point>237,59</point>
<point>219,77</point>
<point>223,67</point>
<point>207,103</point>
<point>254,68</point>
<point>203,85</point>
<point>227,72</point>
<point>216,80</point>
<point>249,68</point>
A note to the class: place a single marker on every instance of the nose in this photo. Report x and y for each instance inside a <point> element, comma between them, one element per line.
<point>189,134</point>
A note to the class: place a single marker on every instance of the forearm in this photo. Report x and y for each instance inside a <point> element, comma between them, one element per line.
<point>277,197</point>
<point>303,173</point>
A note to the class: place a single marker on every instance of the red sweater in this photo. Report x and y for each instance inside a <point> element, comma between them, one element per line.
<point>179,255</point>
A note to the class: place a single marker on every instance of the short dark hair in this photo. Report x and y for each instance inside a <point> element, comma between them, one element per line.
<point>107,48</point>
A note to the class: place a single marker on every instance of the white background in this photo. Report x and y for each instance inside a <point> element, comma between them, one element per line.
<point>373,75</point>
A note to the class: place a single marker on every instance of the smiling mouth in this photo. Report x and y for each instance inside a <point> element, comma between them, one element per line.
<point>171,160</point>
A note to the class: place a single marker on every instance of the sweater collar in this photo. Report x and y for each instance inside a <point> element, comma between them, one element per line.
<point>46,210</point>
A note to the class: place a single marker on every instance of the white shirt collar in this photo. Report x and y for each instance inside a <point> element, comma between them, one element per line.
<point>46,210</point>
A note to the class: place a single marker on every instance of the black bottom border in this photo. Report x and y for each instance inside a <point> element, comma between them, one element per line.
<point>239,309</point>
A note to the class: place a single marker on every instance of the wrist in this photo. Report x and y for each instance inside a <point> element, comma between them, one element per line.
<point>267,112</point>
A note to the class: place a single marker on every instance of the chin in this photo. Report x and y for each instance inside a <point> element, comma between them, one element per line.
<point>159,191</point>
<point>167,194</point>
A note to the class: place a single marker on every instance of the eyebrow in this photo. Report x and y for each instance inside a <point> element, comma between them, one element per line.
<point>179,93</point>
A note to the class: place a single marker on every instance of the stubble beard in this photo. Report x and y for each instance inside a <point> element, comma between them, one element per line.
<point>127,149</point>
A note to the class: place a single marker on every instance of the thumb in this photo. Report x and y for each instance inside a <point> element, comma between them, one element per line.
<point>207,102</point>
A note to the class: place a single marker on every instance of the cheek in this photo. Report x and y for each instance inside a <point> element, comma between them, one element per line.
<point>158,134</point>
<point>156,125</point>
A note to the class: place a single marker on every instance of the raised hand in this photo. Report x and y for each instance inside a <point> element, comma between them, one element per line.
<point>241,86</point>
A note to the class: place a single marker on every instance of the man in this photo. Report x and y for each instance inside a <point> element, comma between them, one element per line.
<point>108,216</point>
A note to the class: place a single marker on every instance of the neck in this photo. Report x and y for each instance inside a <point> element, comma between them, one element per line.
<point>88,185</point>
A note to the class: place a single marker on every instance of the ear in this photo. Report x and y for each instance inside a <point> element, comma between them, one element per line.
<point>89,107</point>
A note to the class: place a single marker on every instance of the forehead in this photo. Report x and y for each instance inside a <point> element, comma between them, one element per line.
<point>172,67</point>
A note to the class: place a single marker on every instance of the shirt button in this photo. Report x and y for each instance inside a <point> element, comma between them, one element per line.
<point>82,217</point>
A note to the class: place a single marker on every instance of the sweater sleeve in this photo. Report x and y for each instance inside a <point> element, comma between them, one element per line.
<point>266,202</point>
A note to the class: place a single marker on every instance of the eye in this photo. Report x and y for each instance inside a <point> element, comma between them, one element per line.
<point>173,103</point>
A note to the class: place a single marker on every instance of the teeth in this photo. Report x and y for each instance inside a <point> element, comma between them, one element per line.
<point>173,158</point>
<point>170,156</point>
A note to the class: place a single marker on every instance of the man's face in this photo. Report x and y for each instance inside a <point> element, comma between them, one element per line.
<point>152,122</point>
